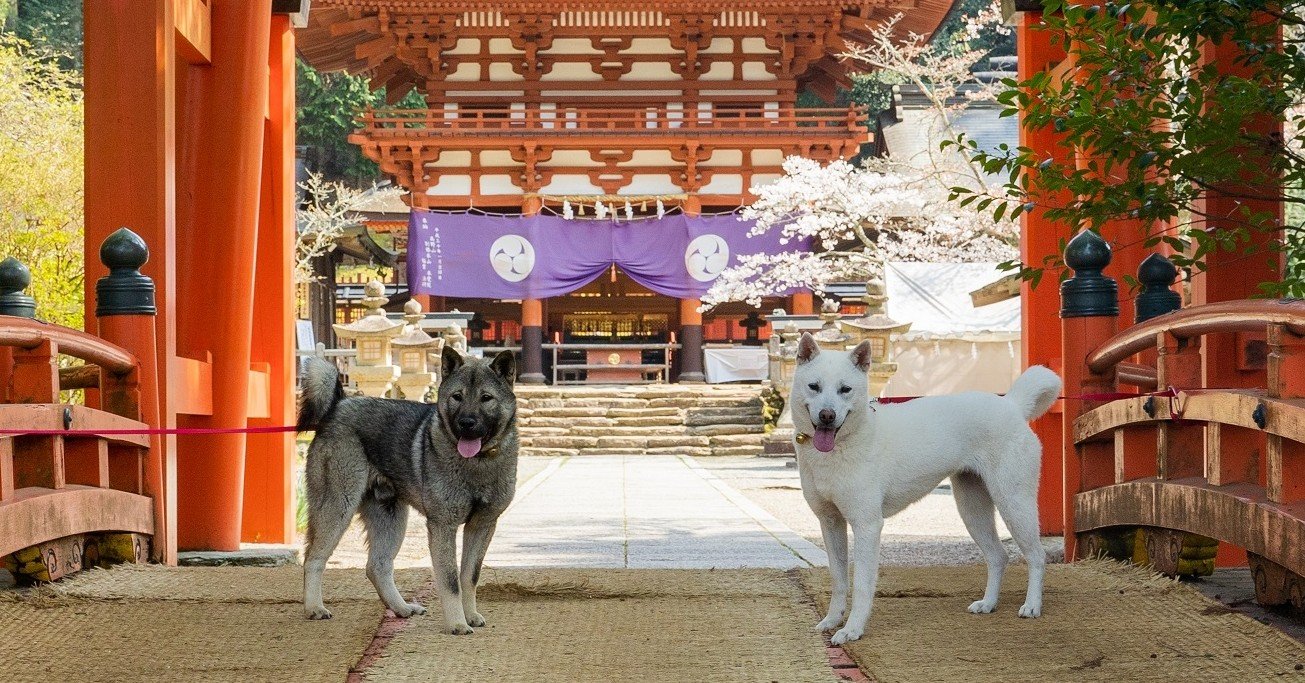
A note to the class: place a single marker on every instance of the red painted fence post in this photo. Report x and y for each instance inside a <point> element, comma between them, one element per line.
<point>125,309</point>
<point>1089,313</point>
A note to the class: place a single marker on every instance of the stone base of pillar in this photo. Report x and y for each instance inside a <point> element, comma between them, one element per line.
<point>691,355</point>
<point>532,355</point>
<point>778,444</point>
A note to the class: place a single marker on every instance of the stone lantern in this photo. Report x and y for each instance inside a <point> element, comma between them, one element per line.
<point>831,336</point>
<point>876,326</point>
<point>372,335</point>
<point>783,362</point>
<point>455,339</point>
<point>412,354</point>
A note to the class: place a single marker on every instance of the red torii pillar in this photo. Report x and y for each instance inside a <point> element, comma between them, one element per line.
<point>1040,307</point>
<point>183,148</point>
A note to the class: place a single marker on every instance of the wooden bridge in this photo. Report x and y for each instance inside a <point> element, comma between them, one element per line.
<point>77,500</point>
<point>1183,474</point>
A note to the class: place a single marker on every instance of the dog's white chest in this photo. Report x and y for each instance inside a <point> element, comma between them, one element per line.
<point>826,478</point>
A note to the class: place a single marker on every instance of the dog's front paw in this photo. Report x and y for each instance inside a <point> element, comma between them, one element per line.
<point>408,610</point>
<point>475,619</point>
<point>846,634</point>
<point>461,630</point>
<point>982,606</point>
<point>829,623</point>
<point>1031,610</point>
<point>317,613</point>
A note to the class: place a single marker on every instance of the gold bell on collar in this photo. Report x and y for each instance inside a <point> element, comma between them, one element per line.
<point>802,438</point>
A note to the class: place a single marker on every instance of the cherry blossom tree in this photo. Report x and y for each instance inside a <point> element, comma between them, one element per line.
<point>889,208</point>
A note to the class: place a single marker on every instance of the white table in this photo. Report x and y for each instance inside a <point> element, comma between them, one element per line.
<point>735,364</point>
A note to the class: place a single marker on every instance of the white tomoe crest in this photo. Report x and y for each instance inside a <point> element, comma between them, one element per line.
<point>512,257</point>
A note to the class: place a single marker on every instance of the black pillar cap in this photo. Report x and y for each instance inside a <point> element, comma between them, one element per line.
<point>1156,273</point>
<point>14,279</point>
<point>124,291</point>
<point>1089,293</point>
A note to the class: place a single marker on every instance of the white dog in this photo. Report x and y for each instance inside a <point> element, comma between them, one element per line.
<point>862,462</point>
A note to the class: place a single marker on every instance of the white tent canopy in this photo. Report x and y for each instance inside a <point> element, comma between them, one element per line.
<point>951,346</point>
<point>935,299</point>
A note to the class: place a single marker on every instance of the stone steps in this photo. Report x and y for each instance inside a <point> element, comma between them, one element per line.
<point>696,420</point>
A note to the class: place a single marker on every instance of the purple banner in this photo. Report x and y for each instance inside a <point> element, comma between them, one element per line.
<point>536,257</point>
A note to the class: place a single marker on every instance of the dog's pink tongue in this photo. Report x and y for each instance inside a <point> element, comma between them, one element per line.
<point>468,448</point>
<point>823,440</point>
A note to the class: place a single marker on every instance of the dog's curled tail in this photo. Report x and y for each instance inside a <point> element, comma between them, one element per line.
<point>1035,391</point>
<point>321,390</point>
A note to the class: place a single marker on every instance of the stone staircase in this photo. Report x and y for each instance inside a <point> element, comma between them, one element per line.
<point>635,420</point>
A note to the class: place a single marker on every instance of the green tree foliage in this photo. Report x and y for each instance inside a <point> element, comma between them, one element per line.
<point>1161,127</point>
<point>329,104</point>
<point>51,25</point>
<point>41,164</point>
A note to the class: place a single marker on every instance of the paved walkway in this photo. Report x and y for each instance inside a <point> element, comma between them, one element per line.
<point>644,511</point>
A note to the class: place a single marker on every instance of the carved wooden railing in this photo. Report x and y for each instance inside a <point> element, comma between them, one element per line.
<point>1163,478</point>
<point>76,499</point>
<point>641,120</point>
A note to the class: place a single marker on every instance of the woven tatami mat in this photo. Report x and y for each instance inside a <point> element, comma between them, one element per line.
<point>621,625</point>
<point>1101,622</point>
<point>200,624</point>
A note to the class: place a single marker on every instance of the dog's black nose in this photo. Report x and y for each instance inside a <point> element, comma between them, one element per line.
<point>827,417</point>
<point>465,423</point>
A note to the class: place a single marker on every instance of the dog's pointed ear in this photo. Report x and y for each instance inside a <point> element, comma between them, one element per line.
<point>450,361</point>
<point>505,365</point>
<point>861,356</point>
<point>807,348</point>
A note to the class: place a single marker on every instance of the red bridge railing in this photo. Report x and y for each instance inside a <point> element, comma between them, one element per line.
<point>69,502</point>
<point>1162,478</point>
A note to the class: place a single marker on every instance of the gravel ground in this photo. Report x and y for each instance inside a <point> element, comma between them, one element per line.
<point>929,532</point>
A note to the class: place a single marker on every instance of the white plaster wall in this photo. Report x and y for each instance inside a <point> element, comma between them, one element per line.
<point>571,46</point>
<point>723,157</point>
<point>756,71</point>
<point>498,157</point>
<point>649,157</point>
<point>451,185</point>
<point>467,71</point>
<point>465,46</point>
<point>571,184</point>
<point>719,71</point>
<point>572,157</point>
<point>571,72</point>
<point>502,71</point>
<point>498,184</point>
<point>724,184</point>
<point>452,159</point>
<point>651,183</point>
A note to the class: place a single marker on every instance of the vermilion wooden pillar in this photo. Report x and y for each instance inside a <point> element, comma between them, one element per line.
<point>691,342</point>
<point>1039,306</point>
<point>1233,274</point>
<point>532,321</point>
<point>268,515</point>
<point>802,303</point>
<point>221,155</point>
<point>131,54</point>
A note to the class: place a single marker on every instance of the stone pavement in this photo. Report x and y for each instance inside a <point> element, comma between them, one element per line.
<point>645,511</point>
<point>663,511</point>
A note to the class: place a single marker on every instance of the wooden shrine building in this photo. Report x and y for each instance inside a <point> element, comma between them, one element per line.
<point>561,106</point>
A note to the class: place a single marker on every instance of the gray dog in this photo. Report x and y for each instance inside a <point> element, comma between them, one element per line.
<point>454,461</point>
